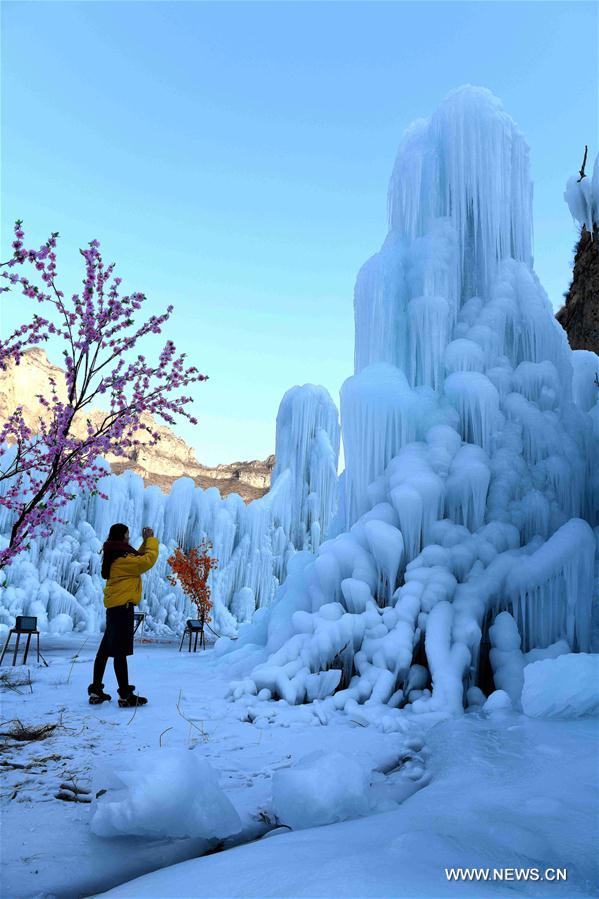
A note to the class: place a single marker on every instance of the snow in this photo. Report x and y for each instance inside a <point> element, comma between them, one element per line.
<point>563,687</point>
<point>477,790</point>
<point>167,749</point>
<point>493,800</point>
<point>165,793</point>
<point>320,789</point>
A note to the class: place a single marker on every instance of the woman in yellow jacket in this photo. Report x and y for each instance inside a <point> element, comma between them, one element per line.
<point>122,567</point>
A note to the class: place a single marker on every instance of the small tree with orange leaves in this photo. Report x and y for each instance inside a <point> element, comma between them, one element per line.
<point>191,570</point>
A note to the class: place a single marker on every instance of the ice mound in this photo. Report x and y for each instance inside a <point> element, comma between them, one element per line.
<point>320,789</point>
<point>163,794</point>
<point>61,624</point>
<point>498,701</point>
<point>564,687</point>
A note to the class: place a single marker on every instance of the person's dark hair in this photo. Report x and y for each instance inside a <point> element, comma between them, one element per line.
<point>117,532</point>
<point>115,548</point>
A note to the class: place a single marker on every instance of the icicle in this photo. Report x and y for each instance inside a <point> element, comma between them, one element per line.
<point>428,319</point>
<point>307,445</point>
<point>470,163</point>
<point>552,589</point>
<point>467,486</point>
<point>464,355</point>
<point>477,403</point>
<point>377,413</point>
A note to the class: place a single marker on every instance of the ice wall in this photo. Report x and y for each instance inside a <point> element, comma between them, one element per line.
<point>469,486</point>
<point>58,579</point>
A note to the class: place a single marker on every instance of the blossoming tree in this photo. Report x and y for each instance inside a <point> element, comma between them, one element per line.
<point>43,468</point>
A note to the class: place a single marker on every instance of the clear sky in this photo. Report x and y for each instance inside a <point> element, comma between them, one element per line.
<point>233,158</point>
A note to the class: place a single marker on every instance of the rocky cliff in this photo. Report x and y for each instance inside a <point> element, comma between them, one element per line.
<point>579,316</point>
<point>162,464</point>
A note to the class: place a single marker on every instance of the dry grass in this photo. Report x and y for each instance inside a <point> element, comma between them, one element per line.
<point>12,680</point>
<point>27,733</point>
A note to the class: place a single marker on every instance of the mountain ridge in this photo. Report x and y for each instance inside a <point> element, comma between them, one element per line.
<point>159,465</point>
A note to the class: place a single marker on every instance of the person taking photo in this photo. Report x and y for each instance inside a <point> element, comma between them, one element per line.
<point>122,568</point>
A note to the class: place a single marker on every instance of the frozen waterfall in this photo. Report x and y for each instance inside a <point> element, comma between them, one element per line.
<point>469,489</point>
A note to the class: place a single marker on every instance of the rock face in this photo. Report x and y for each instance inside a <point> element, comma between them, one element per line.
<point>579,316</point>
<point>161,465</point>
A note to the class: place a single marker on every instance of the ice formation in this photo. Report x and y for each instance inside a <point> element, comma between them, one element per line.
<point>507,659</point>
<point>321,788</point>
<point>307,453</point>
<point>166,793</point>
<point>58,579</point>
<point>469,495</point>
<point>563,687</point>
<point>582,196</point>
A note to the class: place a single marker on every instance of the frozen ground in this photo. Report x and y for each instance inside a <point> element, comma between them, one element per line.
<point>499,791</point>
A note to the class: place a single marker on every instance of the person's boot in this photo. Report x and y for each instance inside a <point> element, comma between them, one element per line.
<point>128,698</point>
<point>97,695</point>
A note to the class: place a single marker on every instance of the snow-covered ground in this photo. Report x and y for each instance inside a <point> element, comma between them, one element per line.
<point>496,791</point>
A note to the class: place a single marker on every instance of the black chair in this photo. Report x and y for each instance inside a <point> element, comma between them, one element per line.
<point>139,619</point>
<point>25,625</point>
<point>194,626</point>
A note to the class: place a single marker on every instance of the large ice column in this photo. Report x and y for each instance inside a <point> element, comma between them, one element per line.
<point>468,162</point>
<point>469,448</point>
<point>307,453</point>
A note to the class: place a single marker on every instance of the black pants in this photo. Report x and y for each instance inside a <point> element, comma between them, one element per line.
<point>117,642</point>
<point>120,669</point>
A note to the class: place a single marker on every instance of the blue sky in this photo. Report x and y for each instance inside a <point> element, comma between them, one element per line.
<point>233,159</point>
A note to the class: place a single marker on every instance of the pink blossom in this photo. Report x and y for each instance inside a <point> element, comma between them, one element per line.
<point>48,466</point>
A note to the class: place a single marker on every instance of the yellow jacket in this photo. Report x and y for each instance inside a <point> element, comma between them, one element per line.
<point>124,583</point>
